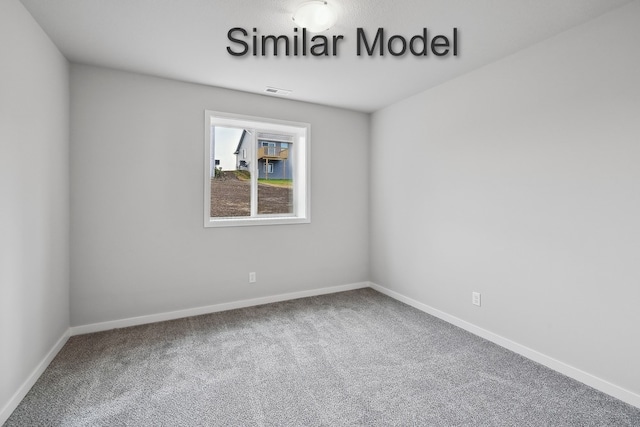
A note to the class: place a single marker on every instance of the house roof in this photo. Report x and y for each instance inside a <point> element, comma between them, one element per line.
<point>244,132</point>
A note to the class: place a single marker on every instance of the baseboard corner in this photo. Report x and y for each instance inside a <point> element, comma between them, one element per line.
<point>22,391</point>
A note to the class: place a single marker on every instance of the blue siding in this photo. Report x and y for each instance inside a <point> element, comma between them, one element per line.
<point>281,169</point>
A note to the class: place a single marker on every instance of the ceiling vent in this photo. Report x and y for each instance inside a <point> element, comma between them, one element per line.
<point>276,91</point>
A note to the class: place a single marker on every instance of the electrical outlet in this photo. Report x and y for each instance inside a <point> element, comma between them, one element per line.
<point>475,298</point>
<point>252,277</point>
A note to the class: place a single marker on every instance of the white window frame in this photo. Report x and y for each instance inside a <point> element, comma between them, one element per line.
<point>301,169</point>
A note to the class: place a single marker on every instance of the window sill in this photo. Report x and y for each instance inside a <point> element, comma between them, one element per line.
<point>246,222</point>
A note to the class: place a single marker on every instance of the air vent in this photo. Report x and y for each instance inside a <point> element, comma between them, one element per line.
<point>276,91</point>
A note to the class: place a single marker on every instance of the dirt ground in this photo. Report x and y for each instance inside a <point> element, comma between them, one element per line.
<point>231,197</point>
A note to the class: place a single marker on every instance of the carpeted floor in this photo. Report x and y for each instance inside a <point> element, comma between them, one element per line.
<point>352,358</point>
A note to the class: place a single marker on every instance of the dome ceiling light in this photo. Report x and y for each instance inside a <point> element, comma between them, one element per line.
<point>316,16</point>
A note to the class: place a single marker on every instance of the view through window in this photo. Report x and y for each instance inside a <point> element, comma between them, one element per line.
<point>256,170</point>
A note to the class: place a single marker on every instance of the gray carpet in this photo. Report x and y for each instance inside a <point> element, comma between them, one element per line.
<point>353,358</point>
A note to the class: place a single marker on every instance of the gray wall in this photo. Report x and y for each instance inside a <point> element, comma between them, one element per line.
<point>524,185</point>
<point>138,246</point>
<point>34,200</point>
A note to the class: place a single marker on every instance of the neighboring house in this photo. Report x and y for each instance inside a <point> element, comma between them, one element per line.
<point>273,155</point>
<point>243,152</point>
<point>214,164</point>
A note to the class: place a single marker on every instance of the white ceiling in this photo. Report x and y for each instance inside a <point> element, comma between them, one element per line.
<point>187,40</point>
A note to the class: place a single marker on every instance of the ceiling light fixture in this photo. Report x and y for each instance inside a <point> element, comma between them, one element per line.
<point>315,16</point>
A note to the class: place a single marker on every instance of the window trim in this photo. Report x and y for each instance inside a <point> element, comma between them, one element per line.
<point>302,171</point>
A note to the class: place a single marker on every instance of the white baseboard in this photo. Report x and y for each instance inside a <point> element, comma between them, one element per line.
<point>161,317</point>
<point>96,327</point>
<point>568,370</point>
<point>32,378</point>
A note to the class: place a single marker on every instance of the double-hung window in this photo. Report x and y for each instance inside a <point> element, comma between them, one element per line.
<point>256,171</point>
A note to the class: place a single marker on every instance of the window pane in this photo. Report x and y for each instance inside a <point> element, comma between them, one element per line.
<point>255,171</point>
<point>275,179</point>
<point>231,177</point>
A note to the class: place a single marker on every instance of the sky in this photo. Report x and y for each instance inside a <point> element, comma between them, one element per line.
<point>226,142</point>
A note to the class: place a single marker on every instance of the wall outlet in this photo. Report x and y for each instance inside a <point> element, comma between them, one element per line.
<point>475,298</point>
<point>252,277</point>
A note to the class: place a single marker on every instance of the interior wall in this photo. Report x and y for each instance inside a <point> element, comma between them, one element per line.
<point>34,202</point>
<point>138,245</point>
<point>521,181</point>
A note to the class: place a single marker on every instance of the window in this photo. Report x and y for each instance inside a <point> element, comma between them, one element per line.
<point>256,171</point>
